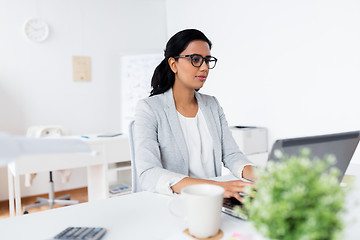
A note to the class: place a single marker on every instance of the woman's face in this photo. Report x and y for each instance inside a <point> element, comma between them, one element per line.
<point>185,73</point>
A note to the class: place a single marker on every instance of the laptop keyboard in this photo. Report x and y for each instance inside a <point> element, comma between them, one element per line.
<point>230,203</point>
<point>228,208</point>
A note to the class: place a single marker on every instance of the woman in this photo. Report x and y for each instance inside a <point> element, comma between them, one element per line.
<point>181,136</point>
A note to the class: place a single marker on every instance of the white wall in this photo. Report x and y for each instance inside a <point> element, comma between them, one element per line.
<point>36,79</point>
<point>290,66</point>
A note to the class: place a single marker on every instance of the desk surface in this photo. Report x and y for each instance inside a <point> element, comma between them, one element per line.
<point>141,215</point>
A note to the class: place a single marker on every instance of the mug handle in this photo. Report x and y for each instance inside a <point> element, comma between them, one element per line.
<point>169,204</point>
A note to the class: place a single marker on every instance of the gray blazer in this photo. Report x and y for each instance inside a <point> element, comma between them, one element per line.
<point>160,144</point>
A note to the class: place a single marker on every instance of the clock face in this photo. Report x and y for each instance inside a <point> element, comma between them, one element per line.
<point>36,30</point>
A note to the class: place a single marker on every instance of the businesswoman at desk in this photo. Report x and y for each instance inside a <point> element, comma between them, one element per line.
<point>181,136</point>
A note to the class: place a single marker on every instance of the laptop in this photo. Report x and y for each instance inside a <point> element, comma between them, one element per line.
<point>341,145</point>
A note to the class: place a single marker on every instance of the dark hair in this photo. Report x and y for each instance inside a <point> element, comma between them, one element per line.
<point>163,78</point>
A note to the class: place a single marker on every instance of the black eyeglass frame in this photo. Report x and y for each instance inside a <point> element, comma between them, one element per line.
<point>202,59</point>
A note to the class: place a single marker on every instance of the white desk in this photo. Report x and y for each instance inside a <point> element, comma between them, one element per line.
<point>141,215</point>
<point>110,150</point>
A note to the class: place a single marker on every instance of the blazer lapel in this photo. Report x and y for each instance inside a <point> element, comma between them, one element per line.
<point>206,110</point>
<point>175,126</point>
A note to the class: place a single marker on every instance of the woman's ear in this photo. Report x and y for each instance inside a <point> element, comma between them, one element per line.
<point>172,64</point>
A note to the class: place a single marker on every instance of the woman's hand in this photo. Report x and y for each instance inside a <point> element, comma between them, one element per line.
<point>248,173</point>
<point>233,188</point>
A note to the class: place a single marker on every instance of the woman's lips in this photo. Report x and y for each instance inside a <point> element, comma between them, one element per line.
<point>202,78</point>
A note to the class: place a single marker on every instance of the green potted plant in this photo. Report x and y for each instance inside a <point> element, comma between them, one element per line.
<point>297,198</point>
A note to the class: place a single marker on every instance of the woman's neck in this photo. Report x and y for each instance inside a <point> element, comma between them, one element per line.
<point>183,96</point>
<point>185,101</point>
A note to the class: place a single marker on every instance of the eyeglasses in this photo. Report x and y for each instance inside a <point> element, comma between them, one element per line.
<point>197,60</point>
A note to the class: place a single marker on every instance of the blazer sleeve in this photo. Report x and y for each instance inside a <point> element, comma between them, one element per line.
<point>147,152</point>
<point>232,157</point>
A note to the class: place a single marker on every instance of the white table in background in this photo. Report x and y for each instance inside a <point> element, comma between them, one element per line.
<point>114,149</point>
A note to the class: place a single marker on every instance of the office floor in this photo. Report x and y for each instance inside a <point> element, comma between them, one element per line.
<point>79,194</point>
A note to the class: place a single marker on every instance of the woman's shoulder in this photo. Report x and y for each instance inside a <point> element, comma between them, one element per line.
<point>208,99</point>
<point>152,102</point>
<point>156,99</point>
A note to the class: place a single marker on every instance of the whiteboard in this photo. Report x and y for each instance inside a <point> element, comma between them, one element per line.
<point>136,74</point>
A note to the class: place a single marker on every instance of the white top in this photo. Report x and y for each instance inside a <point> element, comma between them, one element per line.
<point>201,153</point>
<point>199,144</point>
<point>200,149</point>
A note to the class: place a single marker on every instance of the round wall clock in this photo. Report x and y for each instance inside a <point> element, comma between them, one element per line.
<point>36,30</point>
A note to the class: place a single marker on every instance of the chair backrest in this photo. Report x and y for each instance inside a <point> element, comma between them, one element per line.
<point>134,177</point>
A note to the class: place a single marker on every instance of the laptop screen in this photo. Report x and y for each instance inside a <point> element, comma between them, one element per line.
<point>341,145</point>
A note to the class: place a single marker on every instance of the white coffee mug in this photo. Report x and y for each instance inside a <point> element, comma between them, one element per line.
<point>203,203</point>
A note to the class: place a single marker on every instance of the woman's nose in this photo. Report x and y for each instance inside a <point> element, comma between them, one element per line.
<point>204,66</point>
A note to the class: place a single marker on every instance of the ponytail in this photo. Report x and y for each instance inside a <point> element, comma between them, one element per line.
<point>164,78</point>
